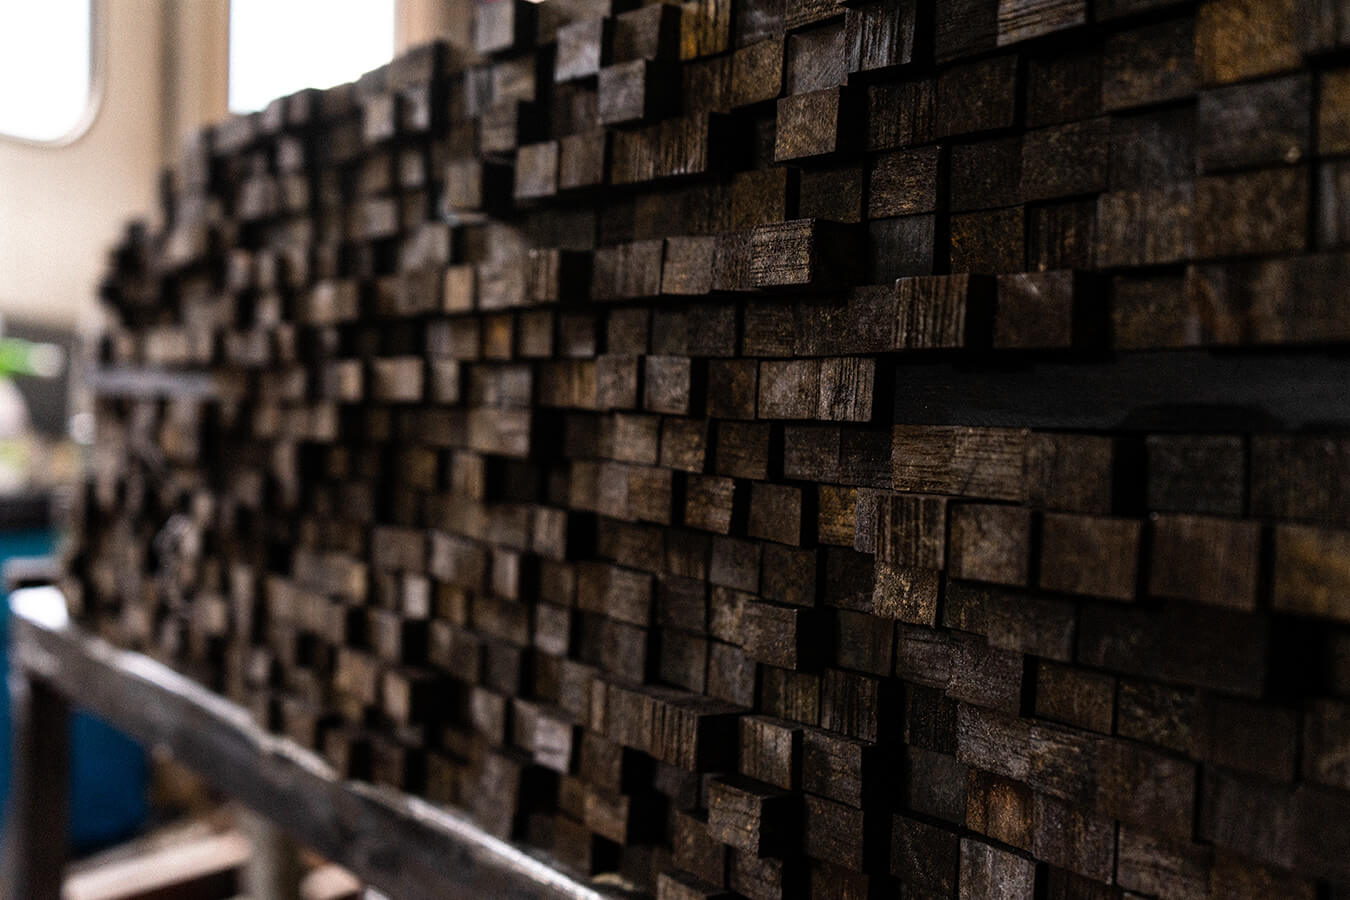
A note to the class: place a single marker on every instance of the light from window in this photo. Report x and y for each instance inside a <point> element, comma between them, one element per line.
<point>45,53</point>
<point>278,47</point>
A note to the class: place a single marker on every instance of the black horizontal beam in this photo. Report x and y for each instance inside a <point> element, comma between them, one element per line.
<point>1191,391</point>
<point>397,844</point>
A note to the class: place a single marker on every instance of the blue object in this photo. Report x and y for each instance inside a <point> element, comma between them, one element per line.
<point>109,772</point>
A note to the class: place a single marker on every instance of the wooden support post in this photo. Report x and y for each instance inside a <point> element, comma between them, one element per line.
<point>35,845</point>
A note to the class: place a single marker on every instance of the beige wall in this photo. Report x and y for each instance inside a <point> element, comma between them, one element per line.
<point>62,206</point>
<point>164,72</point>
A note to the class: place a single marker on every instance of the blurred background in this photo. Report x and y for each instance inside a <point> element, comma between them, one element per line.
<point>99,97</point>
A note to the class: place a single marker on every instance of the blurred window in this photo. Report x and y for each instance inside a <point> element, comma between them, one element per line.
<point>46,67</point>
<point>278,47</point>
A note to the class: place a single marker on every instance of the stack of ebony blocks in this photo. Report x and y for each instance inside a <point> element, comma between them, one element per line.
<point>775,448</point>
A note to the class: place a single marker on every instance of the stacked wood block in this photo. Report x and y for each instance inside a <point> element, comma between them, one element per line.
<point>775,448</point>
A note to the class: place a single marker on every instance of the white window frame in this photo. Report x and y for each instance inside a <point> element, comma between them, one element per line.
<point>93,100</point>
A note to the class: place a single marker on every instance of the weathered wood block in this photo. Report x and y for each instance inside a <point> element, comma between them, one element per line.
<point>968,462</point>
<point>1021,20</point>
<point>815,123</point>
<point>750,815</point>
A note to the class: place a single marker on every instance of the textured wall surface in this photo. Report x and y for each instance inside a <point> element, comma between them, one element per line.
<point>776,449</point>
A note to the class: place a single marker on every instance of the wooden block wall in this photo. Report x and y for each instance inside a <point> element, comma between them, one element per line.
<point>574,454</point>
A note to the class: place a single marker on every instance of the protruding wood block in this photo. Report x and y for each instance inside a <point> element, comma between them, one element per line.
<point>815,123</point>
<point>749,815</point>
<point>771,751</point>
<point>969,462</point>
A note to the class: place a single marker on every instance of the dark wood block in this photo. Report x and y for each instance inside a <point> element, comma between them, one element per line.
<point>583,49</point>
<point>985,174</point>
<point>909,530</point>
<point>732,386</point>
<point>901,247</point>
<point>1240,39</point>
<point>1064,160</point>
<point>815,59</point>
<point>1153,148</point>
<point>1149,65</point>
<point>1075,696</point>
<point>762,878</point>
<point>771,751</point>
<point>835,514</point>
<point>992,241</point>
<point>971,462</point>
<point>924,857</point>
<point>1062,236</point>
<point>668,384</point>
<point>985,675</point>
<point>1037,310</point>
<point>1064,86</point>
<point>499,26</point>
<point>935,785</point>
<point>1250,213</point>
<point>1158,714</point>
<point>1197,473</point>
<point>880,35</point>
<point>863,642</point>
<point>709,503</point>
<point>1148,863</point>
<point>789,390</point>
<point>1325,737</point>
<point>695,850</point>
<point>1254,124</point>
<point>583,159</point>
<point>1000,808</point>
<point>1310,571</point>
<point>679,886</point>
<point>789,575</point>
<point>1069,472</point>
<point>905,593</point>
<point>757,72</point>
<point>1300,477</point>
<point>1249,737</point>
<point>1148,227</point>
<point>1022,20</point>
<point>854,839</point>
<point>775,513</point>
<point>815,123</point>
<point>975,97</point>
<point>648,32</point>
<point>904,183</point>
<point>991,543</point>
<point>750,815</point>
<point>843,769</point>
<point>1143,787</point>
<point>688,265</point>
<point>965,28</point>
<point>635,91</point>
<point>536,170</point>
<point>1090,555</point>
<point>900,114</point>
<point>859,706</point>
<point>1073,839</point>
<point>987,871</point>
<point>800,253</point>
<point>834,193</point>
<point>942,311</point>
